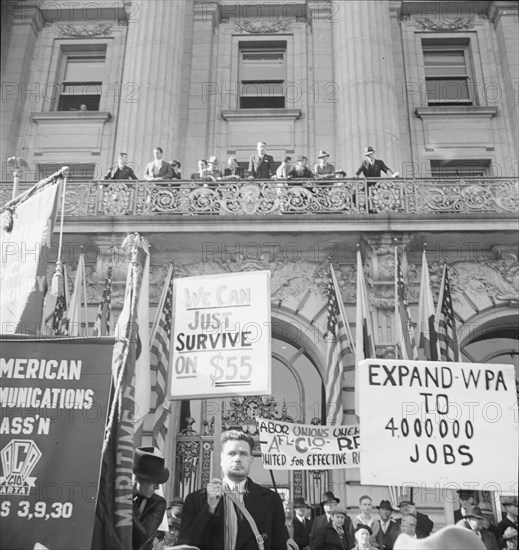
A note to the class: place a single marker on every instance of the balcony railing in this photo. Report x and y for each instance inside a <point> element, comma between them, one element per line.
<point>238,198</point>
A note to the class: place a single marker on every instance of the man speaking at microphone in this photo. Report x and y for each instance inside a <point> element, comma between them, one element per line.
<point>234,513</point>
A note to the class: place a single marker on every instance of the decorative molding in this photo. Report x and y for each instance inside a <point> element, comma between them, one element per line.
<point>262,28</point>
<point>85,31</point>
<point>456,110</point>
<point>457,24</point>
<point>254,114</point>
<point>61,116</point>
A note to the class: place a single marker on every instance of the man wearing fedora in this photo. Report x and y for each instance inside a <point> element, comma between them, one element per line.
<point>323,170</point>
<point>509,517</point>
<point>372,167</point>
<point>424,524</point>
<point>509,539</point>
<point>474,521</point>
<point>148,507</point>
<point>302,525</point>
<point>467,503</point>
<point>389,529</point>
<point>300,170</point>
<point>329,502</point>
<point>334,535</point>
<point>261,166</point>
<point>233,513</point>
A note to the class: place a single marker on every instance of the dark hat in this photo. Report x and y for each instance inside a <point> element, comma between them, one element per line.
<point>385,504</point>
<point>299,502</point>
<point>369,150</point>
<point>406,503</point>
<point>512,502</point>
<point>363,526</point>
<point>476,513</point>
<point>338,510</point>
<point>177,501</point>
<point>465,493</point>
<point>328,495</point>
<point>148,464</point>
<point>300,158</point>
<point>340,173</point>
<point>322,154</point>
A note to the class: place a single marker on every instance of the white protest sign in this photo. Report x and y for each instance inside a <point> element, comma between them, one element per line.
<point>287,446</point>
<point>435,423</point>
<point>221,336</point>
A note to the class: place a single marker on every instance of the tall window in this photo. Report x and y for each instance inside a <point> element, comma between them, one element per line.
<point>447,73</point>
<point>81,80</point>
<point>77,172</point>
<point>262,74</point>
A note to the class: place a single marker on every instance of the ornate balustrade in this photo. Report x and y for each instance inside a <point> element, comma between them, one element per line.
<point>347,196</point>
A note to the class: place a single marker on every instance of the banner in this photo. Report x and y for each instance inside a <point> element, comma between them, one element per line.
<point>438,424</point>
<point>286,446</point>
<point>23,269</point>
<point>53,399</point>
<point>221,336</point>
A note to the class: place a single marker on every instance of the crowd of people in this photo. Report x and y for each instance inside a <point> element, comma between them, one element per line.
<point>261,166</point>
<point>235,513</point>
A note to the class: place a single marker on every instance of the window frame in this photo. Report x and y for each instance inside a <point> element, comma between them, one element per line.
<point>447,45</point>
<point>484,167</point>
<point>276,47</point>
<point>80,51</point>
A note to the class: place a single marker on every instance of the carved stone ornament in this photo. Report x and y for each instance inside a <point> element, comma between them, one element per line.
<point>457,24</point>
<point>85,31</point>
<point>263,28</point>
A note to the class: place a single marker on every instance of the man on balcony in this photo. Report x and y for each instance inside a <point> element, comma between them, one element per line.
<point>121,171</point>
<point>300,170</point>
<point>261,166</point>
<point>158,169</point>
<point>323,170</point>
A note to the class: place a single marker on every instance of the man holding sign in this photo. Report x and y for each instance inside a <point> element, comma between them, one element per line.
<point>234,513</point>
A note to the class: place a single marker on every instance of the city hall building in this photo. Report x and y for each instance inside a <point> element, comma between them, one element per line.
<point>430,86</point>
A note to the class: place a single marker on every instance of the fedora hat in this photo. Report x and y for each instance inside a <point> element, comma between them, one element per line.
<point>369,150</point>
<point>385,504</point>
<point>405,503</point>
<point>476,513</point>
<point>299,502</point>
<point>512,502</point>
<point>338,510</point>
<point>451,537</point>
<point>328,495</point>
<point>322,154</point>
<point>509,533</point>
<point>213,160</point>
<point>148,464</point>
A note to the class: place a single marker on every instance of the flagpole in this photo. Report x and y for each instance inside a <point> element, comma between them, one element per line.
<point>397,324</point>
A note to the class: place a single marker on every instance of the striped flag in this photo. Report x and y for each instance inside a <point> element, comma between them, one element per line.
<point>404,324</point>
<point>159,358</point>
<point>427,342</point>
<point>445,322</point>
<point>77,317</point>
<point>364,332</point>
<point>102,322</point>
<point>339,344</point>
<point>55,306</point>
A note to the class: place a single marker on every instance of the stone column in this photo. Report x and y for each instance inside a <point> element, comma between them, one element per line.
<point>363,64</point>
<point>150,87</point>
<point>21,25</point>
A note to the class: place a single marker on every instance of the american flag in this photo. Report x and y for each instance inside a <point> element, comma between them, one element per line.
<point>405,327</point>
<point>364,332</point>
<point>159,358</point>
<point>428,341</point>
<point>102,322</point>
<point>446,324</point>
<point>54,321</point>
<point>339,344</point>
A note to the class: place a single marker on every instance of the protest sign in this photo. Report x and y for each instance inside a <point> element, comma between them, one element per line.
<point>434,423</point>
<point>287,446</point>
<point>53,400</point>
<point>23,268</point>
<point>221,336</point>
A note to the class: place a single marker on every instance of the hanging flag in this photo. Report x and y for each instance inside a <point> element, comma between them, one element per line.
<point>405,329</point>
<point>25,243</point>
<point>340,343</point>
<point>142,362</point>
<point>76,321</point>
<point>445,322</point>
<point>427,342</point>
<point>102,322</point>
<point>114,512</point>
<point>364,332</point>
<point>159,356</point>
<point>54,320</point>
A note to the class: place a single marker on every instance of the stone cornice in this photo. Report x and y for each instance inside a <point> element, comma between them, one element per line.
<point>66,116</point>
<point>246,114</point>
<point>455,110</point>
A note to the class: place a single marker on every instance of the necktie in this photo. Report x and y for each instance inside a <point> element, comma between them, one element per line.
<point>231,522</point>
<point>384,527</point>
